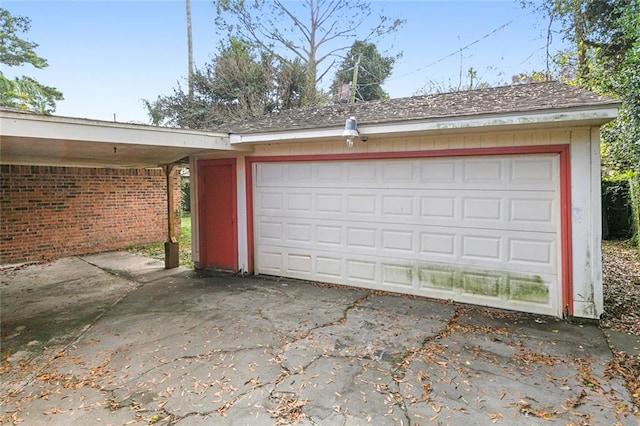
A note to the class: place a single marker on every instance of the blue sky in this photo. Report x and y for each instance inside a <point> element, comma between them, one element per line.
<point>105,56</point>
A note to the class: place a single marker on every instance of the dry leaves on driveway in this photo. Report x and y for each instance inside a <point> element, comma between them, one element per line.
<point>621,277</point>
<point>621,282</point>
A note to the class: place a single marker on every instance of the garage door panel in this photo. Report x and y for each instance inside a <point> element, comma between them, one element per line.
<point>397,275</point>
<point>361,271</point>
<point>359,204</point>
<point>272,173</point>
<point>299,171</point>
<point>534,292</point>
<point>359,238</point>
<point>398,206</point>
<point>270,201</point>
<point>518,250</point>
<point>271,232</point>
<point>299,232</point>
<point>299,263</point>
<point>488,248</point>
<point>535,252</point>
<point>329,173</point>
<point>437,206</point>
<point>534,171</point>
<point>482,284</point>
<point>534,211</point>
<point>299,202</point>
<point>487,171</point>
<point>438,171</point>
<point>439,243</point>
<point>330,235</point>
<point>363,172</point>
<point>486,207</point>
<point>399,172</point>
<point>540,173</point>
<point>329,267</point>
<point>478,230</point>
<point>271,261</point>
<point>537,290</point>
<point>395,239</point>
<point>330,203</point>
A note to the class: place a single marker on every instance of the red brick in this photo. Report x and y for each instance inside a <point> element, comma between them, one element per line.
<point>51,212</point>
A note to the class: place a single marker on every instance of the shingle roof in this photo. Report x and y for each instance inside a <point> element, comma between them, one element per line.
<point>506,99</point>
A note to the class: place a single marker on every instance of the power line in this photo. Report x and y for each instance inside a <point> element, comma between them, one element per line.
<point>457,52</point>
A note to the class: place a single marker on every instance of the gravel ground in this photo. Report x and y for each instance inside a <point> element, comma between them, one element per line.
<point>621,281</point>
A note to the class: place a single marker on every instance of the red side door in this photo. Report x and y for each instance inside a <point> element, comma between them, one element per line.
<point>217,226</point>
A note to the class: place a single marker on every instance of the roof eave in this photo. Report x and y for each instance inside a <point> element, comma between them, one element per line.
<point>38,126</point>
<point>591,116</point>
<point>45,140</point>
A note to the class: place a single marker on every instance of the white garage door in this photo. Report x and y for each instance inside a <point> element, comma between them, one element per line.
<point>483,230</point>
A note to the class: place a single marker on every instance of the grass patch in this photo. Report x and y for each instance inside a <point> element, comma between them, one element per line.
<point>156,250</point>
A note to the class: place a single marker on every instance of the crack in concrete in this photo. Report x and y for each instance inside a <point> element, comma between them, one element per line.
<point>340,320</point>
<point>400,372</point>
<point>448,329</point>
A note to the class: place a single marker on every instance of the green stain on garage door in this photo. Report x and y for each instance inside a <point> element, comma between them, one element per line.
<point>482,282</point>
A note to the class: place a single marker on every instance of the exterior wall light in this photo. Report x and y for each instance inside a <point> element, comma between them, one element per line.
<point>350,131</point>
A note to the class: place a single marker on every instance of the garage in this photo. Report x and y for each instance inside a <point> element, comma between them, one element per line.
<point>407,225</point>
<point>489,197</point>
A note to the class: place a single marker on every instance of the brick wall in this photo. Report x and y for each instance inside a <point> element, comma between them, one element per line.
<point>52,212</point>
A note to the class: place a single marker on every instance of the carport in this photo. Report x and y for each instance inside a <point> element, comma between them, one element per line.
<point>28,139</point>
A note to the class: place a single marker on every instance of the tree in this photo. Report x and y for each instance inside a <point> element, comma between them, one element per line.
<point>604,58</point>
<point>313,31</point>
<point>240,83</point>
<point>449,86</point>
<point>373,70</point>
<point>22,92</point>
<point>533,77</point>
<point>155,110</point>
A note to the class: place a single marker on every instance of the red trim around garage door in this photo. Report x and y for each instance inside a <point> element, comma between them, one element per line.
<point>565,192</point>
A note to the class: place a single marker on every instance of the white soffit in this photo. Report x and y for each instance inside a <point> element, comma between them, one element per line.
<point>549,118</point>
<point>33,139</point>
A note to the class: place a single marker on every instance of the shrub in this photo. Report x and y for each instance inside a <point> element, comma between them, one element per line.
<point>634,194</point>
<point>617,210</point>
<point>185,200</point>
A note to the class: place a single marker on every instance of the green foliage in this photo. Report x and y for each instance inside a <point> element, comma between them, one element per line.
<point>26,94</point>
<point>185,199</point>
<point>155,110</point>
<point>15,51</point>
<point>156,250</point>
<point>533,77</point>
<point>604,58</point>
<point>617,201</point>
<point>312,32</point>
<point>373,70</point>
<point>241,82</point>
<point>473,83</point>
<point>634,194</point>
<point>22,93</point>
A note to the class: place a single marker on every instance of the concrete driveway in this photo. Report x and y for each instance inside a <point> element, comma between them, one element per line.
<point>116,339</point>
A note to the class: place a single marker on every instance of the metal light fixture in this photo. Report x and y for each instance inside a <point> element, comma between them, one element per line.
<point>350,131</point>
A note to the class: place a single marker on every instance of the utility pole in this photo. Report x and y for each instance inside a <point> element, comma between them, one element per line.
<point>190,50</point>
<point>354,82</point>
